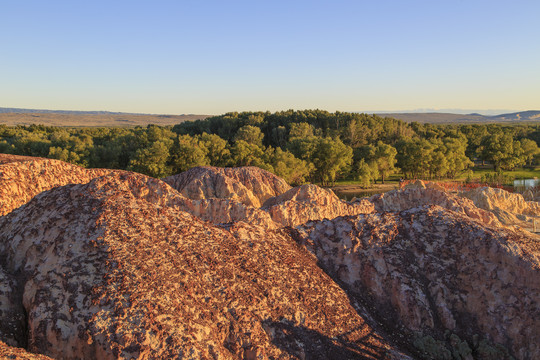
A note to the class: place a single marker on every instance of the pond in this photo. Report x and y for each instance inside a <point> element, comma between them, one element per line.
<point>348,196</point>
<point>523,184</point>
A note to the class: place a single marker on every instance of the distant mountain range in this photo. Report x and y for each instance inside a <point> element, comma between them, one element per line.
<point>69,112</point>
<point>15,116</point>
<point>438,118</point>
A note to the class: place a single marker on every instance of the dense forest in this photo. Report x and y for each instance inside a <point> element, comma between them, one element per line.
<point>300,146</point>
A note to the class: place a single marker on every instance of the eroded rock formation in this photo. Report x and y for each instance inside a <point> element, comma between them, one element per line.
<point>23,177</point>
<point>310,202</point>
<point>114,269</point>
<point>510,208</point>
<point>248,185</point>
<point>421,195</point>
<point>235,264</point>
<point>431,270</point>
<point>14,353</point>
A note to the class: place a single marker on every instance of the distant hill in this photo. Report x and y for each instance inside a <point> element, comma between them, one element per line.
<point>15,116</point>
<point>440,118</point>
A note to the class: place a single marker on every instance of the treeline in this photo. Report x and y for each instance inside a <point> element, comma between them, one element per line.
<point>300,146</point>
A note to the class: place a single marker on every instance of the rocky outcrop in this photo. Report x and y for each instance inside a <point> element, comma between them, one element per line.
<point>114,268</point>
<point>423,194</point>
<point>220,212</point>
<point>431,271</point>
<point>510,208</point>
<point>310,202</point>
<point>248,185</point>
<point>23,177</point>
<point>13,353</point>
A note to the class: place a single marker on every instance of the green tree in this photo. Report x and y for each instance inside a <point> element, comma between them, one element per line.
<point>250,134</point>
<point>217,149</point>
<point>331,158</point>
<point>293,170</point>
<point>186,153</point>
<point>385,160</point>
<point>365,173</point>
<point>530,150</point>
<point>152,160</point>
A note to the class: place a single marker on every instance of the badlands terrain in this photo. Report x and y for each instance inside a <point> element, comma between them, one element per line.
<point>233,263</point>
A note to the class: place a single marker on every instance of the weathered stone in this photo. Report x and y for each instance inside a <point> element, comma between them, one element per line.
<point>429,269</point>
<point>23,177</point>
<point>12,320</point>
<point>427,194</point>
<point>114,268</point>
<point>248,185</point>
<point>14,353</point>
<point>510,208</point>
<point>310,202</point>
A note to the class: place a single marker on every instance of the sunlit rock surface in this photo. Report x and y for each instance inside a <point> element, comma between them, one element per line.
<point>114,268</point>
<point>248,185</point>
<point>415,196</point>
<point>310,202</point>
<point>235,264</point>
<point>510,208</point>
<point>14,353</point>
<point>23,177</point>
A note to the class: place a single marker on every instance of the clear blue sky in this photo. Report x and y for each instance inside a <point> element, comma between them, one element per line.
<point>210,57</point>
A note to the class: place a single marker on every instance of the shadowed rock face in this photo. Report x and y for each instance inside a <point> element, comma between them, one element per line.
<point>248,185</point>
<point>23,177</point>
<point>114,268</point>
<point>431,270</point>
<point>12,320</point>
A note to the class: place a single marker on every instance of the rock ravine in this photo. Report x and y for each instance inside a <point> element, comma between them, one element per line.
<point>235,264</point>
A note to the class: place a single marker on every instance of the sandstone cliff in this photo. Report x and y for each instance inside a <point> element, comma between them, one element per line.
<point>248,185</point>
<point>114,268</point>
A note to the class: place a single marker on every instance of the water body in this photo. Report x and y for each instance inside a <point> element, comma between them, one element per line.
<point>524,184</point>
<point>348,196</point>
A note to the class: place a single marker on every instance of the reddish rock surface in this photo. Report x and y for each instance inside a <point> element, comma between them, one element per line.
<point>426,194</point>
<point>248,185</point>
<point>432,270</point>
<point>510,208</point>
<point>114,269</point>
<point>121,265</point>
<point>310,202</point>
<point>23,177</point>
<point>12,353</point>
